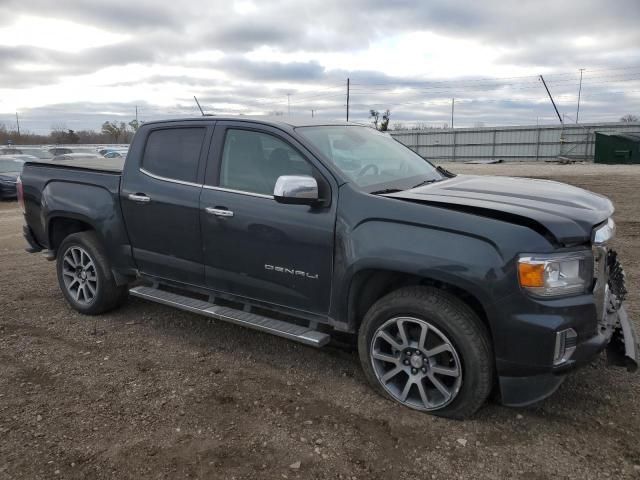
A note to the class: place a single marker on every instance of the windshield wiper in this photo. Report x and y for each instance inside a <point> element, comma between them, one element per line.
<point>386,190</point>
<point>445,172</point>
<point>427,182</point>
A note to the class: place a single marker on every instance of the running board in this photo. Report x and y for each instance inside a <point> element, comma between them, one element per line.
<point>257,322</point>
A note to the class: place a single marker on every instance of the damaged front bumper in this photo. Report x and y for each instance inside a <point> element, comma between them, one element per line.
<point>615,334</point>
<point>622,349</point>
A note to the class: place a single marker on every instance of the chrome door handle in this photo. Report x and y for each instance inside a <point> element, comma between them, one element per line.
<point>220,212</point>
<point>139,198</point>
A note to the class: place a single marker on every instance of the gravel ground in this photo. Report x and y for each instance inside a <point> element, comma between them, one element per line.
<point>151,392</point>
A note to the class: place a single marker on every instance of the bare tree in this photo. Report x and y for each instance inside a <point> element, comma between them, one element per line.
<point>135,125</point>
<point>629,118</point>
<point>58,132</point>
<point>115,130</point>
<point>386,117</point>
<point>375,114</point>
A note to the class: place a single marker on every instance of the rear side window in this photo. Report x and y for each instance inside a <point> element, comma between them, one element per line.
<point>174,153</point>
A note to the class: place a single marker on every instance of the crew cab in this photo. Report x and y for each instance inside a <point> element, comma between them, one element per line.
<point>453,285</point>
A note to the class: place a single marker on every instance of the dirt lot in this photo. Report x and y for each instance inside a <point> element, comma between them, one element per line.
<point>150,392</point>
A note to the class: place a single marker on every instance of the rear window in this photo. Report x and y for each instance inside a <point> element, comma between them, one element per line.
<point>174,153</point>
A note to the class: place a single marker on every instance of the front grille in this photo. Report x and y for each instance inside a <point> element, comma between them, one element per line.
<point>617,281</point>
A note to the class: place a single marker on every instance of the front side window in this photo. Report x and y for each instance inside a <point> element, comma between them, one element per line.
<point>253,161</point>
<point>173,153</point>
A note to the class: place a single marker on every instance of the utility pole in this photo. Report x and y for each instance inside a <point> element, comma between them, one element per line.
<point>348,82</point>
<point>136,113</point>
<point>453,101</point>
<point>288,104</point>
<point>551,98</point>
<point>579,92</point>
<point>18,123</point>
<point>312,110</point>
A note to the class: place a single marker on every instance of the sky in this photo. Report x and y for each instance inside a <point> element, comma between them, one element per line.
<point>74,63</point>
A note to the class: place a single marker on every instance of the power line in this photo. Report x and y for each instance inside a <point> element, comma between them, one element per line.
<point>516,86</point>
<point>533,77</point>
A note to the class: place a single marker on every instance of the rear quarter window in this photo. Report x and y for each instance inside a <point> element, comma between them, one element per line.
<point>173,153</point>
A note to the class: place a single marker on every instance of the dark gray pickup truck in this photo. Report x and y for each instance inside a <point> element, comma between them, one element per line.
<point>454,285</point>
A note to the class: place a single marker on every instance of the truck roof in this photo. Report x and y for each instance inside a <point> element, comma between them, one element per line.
<point>279,121</point>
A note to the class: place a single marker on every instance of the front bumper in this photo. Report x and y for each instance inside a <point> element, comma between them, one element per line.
<point>622,349</point>
<point>602,323</point>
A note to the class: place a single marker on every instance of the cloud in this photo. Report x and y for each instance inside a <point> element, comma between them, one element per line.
<point>268,71</point>
<point>408,55</point>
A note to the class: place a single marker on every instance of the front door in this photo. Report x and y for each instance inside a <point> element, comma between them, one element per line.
<point>253,246</point>
<point>160,198</point>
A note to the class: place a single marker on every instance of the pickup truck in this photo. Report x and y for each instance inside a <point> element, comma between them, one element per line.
<point>453,286</point>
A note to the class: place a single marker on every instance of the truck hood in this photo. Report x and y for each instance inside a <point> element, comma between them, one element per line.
<point>568,213</point>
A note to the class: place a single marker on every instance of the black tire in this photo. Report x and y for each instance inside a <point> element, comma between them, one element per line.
<point>108,295</point>
<point>452,318</point>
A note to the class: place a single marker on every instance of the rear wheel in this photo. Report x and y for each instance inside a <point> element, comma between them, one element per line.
<point>427,350</point>
<point>85,277</point>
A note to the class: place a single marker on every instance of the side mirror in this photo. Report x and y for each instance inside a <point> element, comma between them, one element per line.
<point>296,190</point>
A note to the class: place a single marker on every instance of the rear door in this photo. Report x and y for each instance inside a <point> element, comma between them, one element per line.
<point>253,246</point>
<point>160,197</point>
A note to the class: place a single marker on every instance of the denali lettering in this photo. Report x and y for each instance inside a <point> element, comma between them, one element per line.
<point>291,271</point>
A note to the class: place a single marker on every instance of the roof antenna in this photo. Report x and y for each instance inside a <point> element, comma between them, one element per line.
<point>198,103</point>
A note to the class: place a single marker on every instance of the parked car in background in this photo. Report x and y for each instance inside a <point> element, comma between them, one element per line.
<point>10,151</point>
<point>105,151</point>
<point>40,153</point>
<point>9,172</point>
<point>21,157</point>
<point>77,156</point>
<point>112,154</point>
<point>85,150</point>
<point>55,151</point>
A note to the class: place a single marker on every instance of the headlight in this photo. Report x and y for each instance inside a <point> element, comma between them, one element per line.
<point>605,233</point>
<point>556,274</point>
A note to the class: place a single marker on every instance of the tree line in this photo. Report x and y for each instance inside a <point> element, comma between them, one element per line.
<point>121,132</point>
<point>110,132</point>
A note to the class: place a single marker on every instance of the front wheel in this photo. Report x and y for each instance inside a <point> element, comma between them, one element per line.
<point>85,277</point>
<point>427,350</point>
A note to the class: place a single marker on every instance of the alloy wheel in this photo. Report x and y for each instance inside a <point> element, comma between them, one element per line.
<point>416,363</point>
<point>79,274</point>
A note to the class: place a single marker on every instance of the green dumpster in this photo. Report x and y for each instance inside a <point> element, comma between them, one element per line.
<point>617,148</point>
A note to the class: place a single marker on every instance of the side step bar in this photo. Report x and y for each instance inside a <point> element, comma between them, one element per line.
<point>257,322</point>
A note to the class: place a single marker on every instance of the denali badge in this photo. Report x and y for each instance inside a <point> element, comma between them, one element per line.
<point>291,271</point>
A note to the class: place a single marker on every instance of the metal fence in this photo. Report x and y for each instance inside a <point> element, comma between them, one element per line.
<point>520,144</point>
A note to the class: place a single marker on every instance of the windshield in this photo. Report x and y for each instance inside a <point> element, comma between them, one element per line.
<point>370,158</point>
<point>10,166</point>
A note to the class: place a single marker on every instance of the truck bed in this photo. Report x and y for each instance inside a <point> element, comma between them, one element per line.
<point>74,195</point>
<point>103,164</point>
